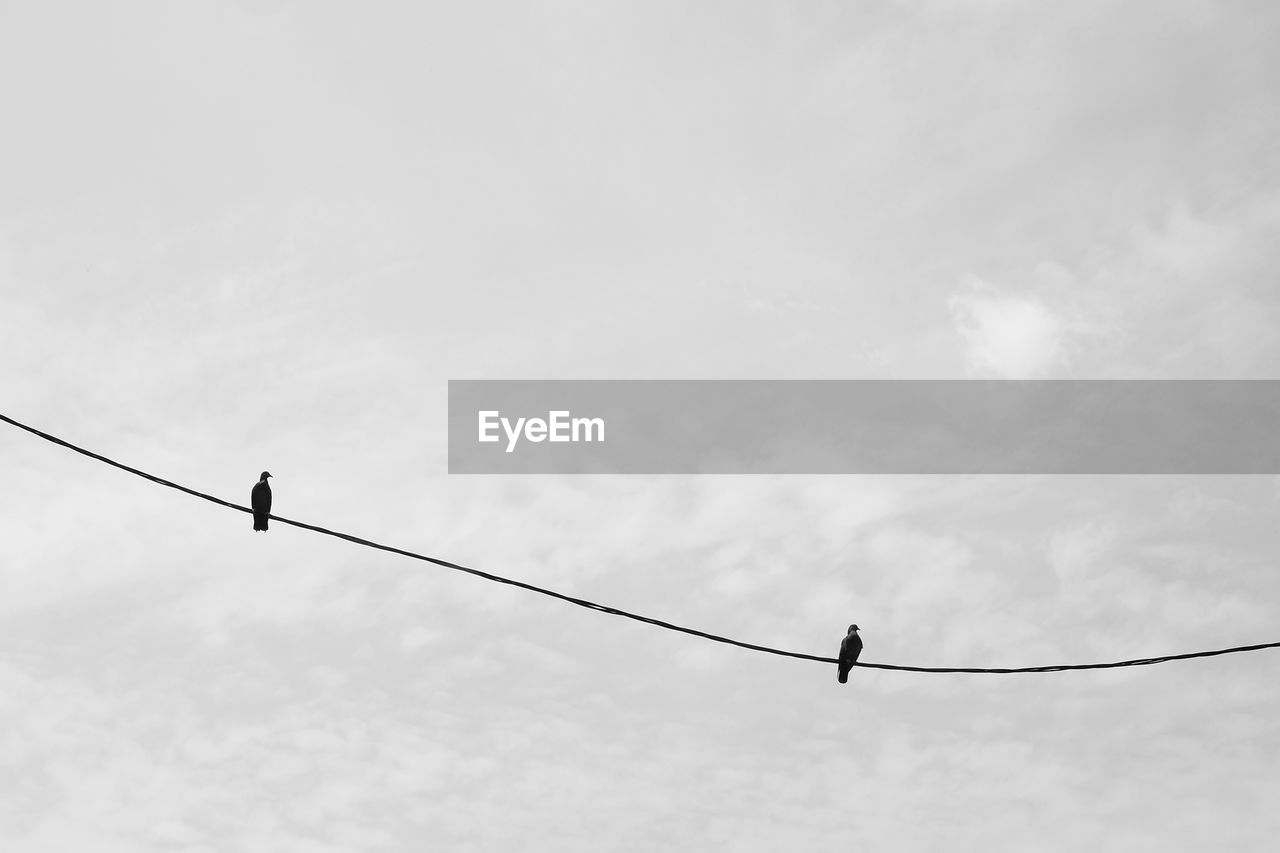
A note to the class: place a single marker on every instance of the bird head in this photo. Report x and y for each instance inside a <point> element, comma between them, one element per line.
<point>265,475</point>
<point>852,628</point>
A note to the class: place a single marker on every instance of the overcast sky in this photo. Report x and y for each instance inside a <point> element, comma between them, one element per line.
<point>247,236</point>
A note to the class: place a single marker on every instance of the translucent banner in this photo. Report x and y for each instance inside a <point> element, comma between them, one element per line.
<point>863,427</point>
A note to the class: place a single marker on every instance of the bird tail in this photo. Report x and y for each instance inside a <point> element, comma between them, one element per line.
<point>844,675</point>
<point>259,522</point>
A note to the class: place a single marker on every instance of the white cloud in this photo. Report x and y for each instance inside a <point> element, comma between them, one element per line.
<point>1007,336</point>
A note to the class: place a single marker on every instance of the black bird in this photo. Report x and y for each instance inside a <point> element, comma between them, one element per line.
<point>261,502</point>
<point>850,648</point>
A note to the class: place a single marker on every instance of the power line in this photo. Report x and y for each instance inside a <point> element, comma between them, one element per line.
<point>613,611</point>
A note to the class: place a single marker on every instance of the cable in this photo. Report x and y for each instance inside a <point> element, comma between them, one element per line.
<point>613,611</point>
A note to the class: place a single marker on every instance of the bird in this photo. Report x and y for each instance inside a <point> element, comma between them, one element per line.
<point>261,502</point>
<point>850,648</point>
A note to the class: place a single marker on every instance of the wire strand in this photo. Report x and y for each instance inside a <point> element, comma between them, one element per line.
<point>613,611</point>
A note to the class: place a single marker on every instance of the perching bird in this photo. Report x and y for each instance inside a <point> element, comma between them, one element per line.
<point>261,502</point>
<point>850,648</point>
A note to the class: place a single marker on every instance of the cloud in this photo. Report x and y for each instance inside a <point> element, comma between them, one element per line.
<point>1195,290</point>
<point>1007,336</point>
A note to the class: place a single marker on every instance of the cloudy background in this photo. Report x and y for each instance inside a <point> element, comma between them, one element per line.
<point>264,235</point>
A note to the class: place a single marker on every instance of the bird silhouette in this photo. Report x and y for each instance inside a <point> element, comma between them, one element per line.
<point>261,502</point>
<point>850,648</point>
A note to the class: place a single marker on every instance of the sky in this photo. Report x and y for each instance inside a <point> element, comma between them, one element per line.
<point>248,236</point>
